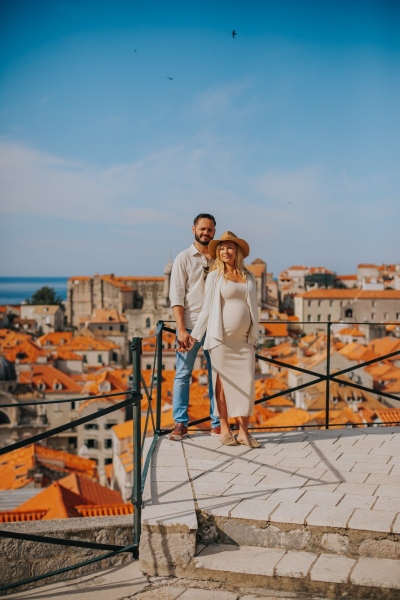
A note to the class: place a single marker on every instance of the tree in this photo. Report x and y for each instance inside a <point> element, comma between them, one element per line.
<point>45,295</point>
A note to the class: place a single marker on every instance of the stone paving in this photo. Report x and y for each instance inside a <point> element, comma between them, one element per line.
<point>126,582</point>
<point>316,506</point>
<point>346,478</point>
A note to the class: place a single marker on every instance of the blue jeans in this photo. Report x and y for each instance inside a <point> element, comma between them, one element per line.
<point>184,368</point>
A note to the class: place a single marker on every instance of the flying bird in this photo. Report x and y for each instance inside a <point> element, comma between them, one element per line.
<point>234,34</point>
<point>170,78</point>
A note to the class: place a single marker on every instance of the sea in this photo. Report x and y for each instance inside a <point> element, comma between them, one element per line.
<point>14,290</point>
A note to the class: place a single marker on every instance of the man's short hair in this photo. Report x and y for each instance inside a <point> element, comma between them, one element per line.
<point>204,216</point>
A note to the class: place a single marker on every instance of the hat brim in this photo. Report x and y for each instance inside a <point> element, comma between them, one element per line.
<point>212,246</point>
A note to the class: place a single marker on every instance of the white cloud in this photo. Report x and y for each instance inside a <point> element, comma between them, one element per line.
<point>308,215</point>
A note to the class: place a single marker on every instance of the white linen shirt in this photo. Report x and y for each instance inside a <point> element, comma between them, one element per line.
<point>188,283</point>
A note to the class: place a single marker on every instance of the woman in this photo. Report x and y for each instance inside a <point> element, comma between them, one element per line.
<point>229,317</point>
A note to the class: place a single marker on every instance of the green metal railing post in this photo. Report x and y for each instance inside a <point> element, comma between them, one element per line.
<point>328,373</point>
<point>159,376</point>
<point>136,497</point>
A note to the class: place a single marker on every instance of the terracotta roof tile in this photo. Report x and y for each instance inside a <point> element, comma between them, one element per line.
<point>294,417</point>
<point>111,510</point>
<point>389,415</point>
<point>15,465</point>
<point>106,315</point>
<point>276,329</point>
<point>56,338</point>
<point>83,343</point>
<point>48,379</point>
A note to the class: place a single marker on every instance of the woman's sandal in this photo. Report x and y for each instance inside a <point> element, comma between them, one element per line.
<point>228,440</point>
<point>250,442</point>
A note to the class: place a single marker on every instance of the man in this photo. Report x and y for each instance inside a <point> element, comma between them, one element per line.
<point>186,293</point>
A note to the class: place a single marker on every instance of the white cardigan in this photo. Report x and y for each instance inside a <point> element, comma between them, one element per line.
<point>210,317</point>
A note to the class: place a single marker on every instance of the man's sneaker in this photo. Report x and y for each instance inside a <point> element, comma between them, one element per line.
<point>215,431</point>
<point>180,431</point>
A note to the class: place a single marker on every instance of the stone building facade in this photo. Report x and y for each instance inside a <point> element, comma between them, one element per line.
<point>85,294</point>
<point>344,305</point>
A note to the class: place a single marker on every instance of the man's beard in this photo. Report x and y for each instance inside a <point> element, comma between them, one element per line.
<point>202,242</point>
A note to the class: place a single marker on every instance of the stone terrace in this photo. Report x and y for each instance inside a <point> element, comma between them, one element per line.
<point>315,511</point>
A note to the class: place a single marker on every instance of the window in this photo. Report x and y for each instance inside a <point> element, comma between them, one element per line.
<point>348,312</point>
<point>91,443</point>
<point>105,386</point>
<point>148,367</point>
<point>397,316</point>
<point>109,425</point>
<point>329,317</point>
<point>99,358</point>
<point>318,318</point>
<point>373,303</point>
<point>308,317</point>
<point>73,405</point>
<point>309,303</point>
<point>386,316</point>
<point>121,328</point>
<point>92,426</point>
<point>372,316</point>
<point>330,302</point>
<point>84,357</point>
<point>148,322</point>
<point>108,461</point>
<point>319,302</point>
<point>108,444</point>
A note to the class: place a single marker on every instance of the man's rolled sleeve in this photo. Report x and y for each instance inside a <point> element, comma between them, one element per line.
<point>177,291</point>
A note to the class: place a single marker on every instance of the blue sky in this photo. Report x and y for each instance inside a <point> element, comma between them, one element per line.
<point>289,133</point>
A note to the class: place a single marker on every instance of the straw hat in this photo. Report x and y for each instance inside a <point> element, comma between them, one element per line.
<point>228,236</point>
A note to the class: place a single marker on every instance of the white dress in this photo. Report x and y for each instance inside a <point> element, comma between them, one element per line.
<point>234,360</point>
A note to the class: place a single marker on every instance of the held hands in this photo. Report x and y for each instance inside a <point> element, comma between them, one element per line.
<point>185,342</point>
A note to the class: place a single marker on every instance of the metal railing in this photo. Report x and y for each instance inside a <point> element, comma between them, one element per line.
<point>133,406</point>
<point>328,377</point>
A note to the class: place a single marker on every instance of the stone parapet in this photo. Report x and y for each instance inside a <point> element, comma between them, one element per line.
<point>22,559</point>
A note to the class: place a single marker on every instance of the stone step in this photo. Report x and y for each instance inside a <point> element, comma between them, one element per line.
<point>297,571</point>
<point>252,531</point>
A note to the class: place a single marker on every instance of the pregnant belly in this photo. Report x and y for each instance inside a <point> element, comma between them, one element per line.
<point>236,318</point>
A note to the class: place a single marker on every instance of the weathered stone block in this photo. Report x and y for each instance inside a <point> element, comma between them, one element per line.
<point>245,534</point>
<point>380,549</point>
<point>162,552</point>
<point>335,542</point>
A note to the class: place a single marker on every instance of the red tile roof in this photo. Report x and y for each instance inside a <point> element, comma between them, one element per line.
<point>16,465</point>
<point>71,496</point>
<point>49,380</point>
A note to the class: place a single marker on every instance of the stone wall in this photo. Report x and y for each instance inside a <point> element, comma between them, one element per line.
<point>21,559</point>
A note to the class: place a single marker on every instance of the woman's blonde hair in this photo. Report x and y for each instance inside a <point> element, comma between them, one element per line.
<point>219,265</point>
